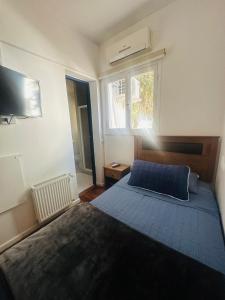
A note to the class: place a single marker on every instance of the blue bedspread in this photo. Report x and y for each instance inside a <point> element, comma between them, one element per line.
<point>192,228</point>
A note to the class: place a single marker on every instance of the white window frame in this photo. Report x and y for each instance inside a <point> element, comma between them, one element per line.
<point>127,74</point>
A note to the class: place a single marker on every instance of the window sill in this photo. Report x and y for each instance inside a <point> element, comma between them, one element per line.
<point>142,132</point>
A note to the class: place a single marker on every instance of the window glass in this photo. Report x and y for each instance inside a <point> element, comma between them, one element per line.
<point>142,92</point>
<point>117,104</point>
<point>131,105</point>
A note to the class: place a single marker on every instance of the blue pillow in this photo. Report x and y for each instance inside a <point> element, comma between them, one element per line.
<point>171,180</point>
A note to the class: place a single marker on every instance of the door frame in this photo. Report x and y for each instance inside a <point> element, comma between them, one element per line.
<point>81,136</point>
<point>90,124</point>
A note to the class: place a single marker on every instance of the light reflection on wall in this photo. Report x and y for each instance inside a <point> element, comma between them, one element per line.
<point>150,137</point>
<point>32,97</point>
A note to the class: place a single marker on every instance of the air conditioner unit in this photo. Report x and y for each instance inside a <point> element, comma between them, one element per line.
<point>133,43</point>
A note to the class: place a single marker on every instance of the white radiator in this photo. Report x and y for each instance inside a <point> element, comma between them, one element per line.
<point>51,197</point>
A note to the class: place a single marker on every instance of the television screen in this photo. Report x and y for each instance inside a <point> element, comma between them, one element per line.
<point>19,95</point>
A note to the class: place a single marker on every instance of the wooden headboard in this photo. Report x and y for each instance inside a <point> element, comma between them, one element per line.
<point>199,153</point>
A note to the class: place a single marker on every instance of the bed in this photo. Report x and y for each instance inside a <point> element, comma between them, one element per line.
<point>128,243</point>
<point>168,221</point>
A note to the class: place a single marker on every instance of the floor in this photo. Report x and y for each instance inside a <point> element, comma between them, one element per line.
<point>92,194</point>
<point>84,181</point>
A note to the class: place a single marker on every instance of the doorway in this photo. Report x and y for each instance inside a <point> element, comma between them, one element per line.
<point>82,133</point>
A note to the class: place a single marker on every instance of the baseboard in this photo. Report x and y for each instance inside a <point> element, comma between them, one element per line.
<point>76,201</point>
<point>100,184</point>
<point>18,237</point>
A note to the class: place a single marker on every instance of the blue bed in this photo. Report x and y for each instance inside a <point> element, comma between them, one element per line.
<point>192,228</point>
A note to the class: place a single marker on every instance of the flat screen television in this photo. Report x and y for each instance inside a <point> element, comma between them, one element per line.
<point>19,95</point>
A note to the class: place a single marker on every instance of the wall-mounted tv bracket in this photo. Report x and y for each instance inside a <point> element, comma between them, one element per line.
<point>7,120</point>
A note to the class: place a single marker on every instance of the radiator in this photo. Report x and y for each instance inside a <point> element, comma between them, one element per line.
<point>51,196</point>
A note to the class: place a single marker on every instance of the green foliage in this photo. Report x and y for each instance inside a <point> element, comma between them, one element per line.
<point>142,108</point>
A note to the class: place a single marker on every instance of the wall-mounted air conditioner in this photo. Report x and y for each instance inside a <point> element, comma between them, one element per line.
<point>133,43</point>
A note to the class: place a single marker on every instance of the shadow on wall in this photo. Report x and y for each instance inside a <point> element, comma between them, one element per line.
<point>53,39</point>
<point>24,218</point>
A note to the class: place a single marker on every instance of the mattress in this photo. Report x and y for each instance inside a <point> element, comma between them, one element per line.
<point>191,227</point>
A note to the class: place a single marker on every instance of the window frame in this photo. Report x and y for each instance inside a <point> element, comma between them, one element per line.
<point>127,74</point>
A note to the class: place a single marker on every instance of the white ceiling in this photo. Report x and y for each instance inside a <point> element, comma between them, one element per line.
<point>100,19</point>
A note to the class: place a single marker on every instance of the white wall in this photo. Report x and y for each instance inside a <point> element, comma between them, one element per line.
<point>45,143</point>
<point>193,72</point>
<point>220,179</point>
<point>24,24</point>
<point>97,131</point>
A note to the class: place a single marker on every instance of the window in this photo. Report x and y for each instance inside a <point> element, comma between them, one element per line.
<point>142,91</point>
<point>117,104</point>
<point>131,100</point>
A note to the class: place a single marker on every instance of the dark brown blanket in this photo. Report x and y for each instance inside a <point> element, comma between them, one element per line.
<point>86,254</point>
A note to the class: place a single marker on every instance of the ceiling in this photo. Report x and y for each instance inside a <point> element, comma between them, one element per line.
<point>100,19</point>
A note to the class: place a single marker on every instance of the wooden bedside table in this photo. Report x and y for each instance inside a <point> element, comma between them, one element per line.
<point>112,175</point>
